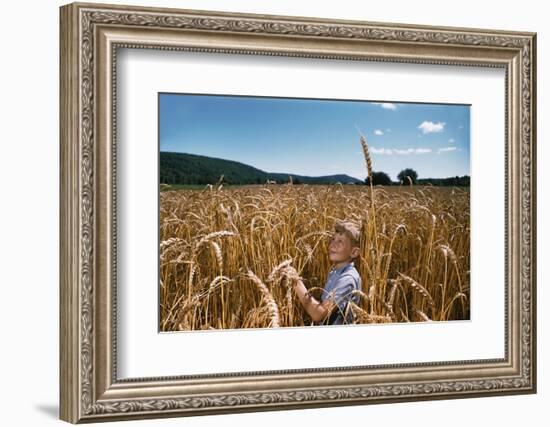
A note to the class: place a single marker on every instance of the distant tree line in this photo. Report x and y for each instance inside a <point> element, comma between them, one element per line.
<point>182,168</point>
<point>456,181</point>
<point>178,168</point>
<point>382,178</point>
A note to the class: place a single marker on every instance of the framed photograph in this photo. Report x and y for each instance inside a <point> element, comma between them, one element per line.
<point>241,247</point>
<point>272,212</point>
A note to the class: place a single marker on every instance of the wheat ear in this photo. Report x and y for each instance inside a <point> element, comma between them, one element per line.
<point>270,301</point>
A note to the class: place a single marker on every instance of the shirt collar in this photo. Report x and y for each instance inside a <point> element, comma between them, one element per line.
<point>341,269</point>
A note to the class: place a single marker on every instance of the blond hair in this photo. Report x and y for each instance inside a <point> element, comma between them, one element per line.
<point>351,230</point>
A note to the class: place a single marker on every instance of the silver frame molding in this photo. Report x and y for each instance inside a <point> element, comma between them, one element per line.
<point>89,39</point>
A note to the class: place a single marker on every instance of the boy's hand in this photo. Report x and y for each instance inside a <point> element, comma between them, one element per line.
<point>292,275</point>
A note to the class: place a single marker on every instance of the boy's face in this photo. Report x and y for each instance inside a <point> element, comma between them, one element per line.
<point>340,249</point>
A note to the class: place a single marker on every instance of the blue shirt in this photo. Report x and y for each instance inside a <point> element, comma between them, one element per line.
<point>341,282</point>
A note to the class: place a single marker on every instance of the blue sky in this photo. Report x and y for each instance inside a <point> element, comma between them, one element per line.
<point>319,137</point>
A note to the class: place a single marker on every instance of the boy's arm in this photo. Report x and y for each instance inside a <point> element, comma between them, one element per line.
<point>318,311</point>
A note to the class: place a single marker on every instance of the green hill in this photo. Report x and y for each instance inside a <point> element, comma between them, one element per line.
<point>182,168</point>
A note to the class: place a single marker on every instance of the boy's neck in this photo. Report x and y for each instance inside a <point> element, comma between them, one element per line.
<point>342,264</point>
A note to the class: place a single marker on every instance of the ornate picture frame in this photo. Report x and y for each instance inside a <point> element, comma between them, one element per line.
<point>91,35</point>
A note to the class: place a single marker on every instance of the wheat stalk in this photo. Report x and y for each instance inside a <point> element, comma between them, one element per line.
<point>366,154</point>
<point>423,315</point>
<point>214,235</point>
<point>277,270</point>
<point>218,252</point>
<point>266,294</point>
<point>419,288</point>
<point>363,316</point>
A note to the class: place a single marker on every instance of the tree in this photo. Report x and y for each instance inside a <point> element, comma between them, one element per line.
<point>379,178</point>
<point>411,173</point>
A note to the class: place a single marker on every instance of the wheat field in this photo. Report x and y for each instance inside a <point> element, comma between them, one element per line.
<point>227,255</point>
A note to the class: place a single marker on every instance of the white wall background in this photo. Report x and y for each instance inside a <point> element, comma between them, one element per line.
<point>29,182</point>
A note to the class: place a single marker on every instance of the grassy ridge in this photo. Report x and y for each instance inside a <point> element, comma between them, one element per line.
<point>191,169</point>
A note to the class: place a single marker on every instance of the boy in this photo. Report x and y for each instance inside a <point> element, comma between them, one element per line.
<point>342,280</point>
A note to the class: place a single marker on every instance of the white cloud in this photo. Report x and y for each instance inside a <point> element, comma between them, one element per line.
<point>386,105</point>
<point>381,151</point>
<point>399,151</point>
<point>422,150</point>
<point>446,149</point>
<point>431,127</point>
<point>378,132</point>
